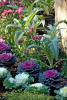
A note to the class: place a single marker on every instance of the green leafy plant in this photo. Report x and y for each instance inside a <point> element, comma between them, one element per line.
<point>14,35</point>
<point>47,46</point>
<point>28,96</point>
<point>51,45</point>
<point>64,68</point>
<point>46,5</point>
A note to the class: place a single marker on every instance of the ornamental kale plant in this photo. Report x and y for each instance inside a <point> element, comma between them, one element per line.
<point>50,73</point>
<point>4,47</point>
<point>7,59</point>
<point>37,88</point>
<point>31,67</point>
<point>61,94</point>
<point>51,78</point>
<point>3,72</point>
<point>20,81</point>
<point>28,65</point>
<point>4,57</point>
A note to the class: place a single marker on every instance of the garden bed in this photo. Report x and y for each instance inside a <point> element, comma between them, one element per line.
<point>31,64</point>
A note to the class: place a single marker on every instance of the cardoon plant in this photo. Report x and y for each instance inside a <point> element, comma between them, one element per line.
<point>31,67</point>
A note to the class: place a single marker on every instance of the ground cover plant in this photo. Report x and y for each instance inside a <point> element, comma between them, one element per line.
<point>28,96</point>
<point>31,62</point>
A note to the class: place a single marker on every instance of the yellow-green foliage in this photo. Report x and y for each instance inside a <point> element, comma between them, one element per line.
<point>27,96</point>
<point>3,23</point>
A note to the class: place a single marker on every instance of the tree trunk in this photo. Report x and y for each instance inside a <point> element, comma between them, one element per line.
<point>61,14</point>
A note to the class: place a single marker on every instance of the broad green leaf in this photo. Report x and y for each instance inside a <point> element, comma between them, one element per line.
<point>18,36</point>
<point>30,18</point>
<point>49,55</point>
<point>17,22</point>
<point>54,46</point>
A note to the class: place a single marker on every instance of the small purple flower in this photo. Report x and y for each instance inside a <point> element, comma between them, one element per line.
<point>50,73</point>
<point>4,47</point>
<point>28,65</point>
<point>4,57</point>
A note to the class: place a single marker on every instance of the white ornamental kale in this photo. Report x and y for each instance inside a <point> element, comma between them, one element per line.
<point>9,83</point>
<point>63,91</point>
<point>11,80</point>
<point>3,72</point>
<point>37,88</point>
<point>21,78</point>
<point>37,85</point>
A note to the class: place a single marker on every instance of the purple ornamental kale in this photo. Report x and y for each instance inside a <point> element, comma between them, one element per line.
<point>51,78</point>
<point>4,47</point>
<point>50,73</point>
<point>5,57</point>
<point>31,67</point>
<point>28,65</point>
